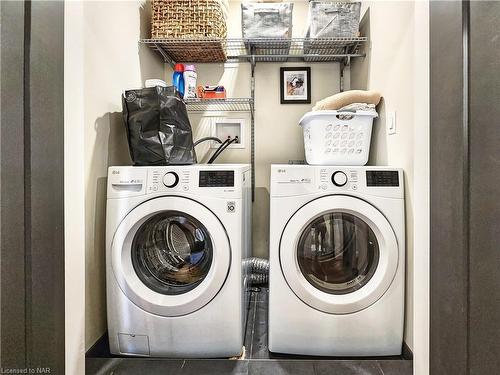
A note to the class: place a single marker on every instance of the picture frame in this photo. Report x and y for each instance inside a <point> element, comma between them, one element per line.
<point>295,85</point>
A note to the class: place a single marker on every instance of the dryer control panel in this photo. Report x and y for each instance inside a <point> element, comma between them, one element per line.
<point>289,180</point>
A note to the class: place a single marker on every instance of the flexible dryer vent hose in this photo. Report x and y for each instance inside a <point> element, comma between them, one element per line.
<point>258,270</point>
<point>258,279</point>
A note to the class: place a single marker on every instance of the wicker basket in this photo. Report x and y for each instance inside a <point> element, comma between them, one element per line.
<point>191,20</point>
<point>188,19</point>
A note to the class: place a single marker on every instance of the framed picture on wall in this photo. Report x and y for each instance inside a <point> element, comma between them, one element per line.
<point>295,85</point>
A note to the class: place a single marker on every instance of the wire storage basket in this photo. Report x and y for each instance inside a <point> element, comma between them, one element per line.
<point>334,19</point>
<point>261,22</point>
<point>331,20</point>
<point>188,19</point>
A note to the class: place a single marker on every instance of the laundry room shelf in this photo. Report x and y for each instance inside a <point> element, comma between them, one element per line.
<point>210,50</point>
<point>220,105</point>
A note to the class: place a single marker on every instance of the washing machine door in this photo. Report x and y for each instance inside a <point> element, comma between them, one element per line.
<point>171,256</point>
<point>339,254</point>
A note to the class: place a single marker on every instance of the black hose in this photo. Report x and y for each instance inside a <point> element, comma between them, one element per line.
<point>221,149</point>
<point>216,151</point>
<point>230,141</point>
<point>207,139</point>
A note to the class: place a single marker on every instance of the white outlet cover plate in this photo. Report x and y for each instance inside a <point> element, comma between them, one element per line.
<point>237,121</point>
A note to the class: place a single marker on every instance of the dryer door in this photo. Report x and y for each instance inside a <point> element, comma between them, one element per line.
<point>171,256</point>
<point>338,254</point>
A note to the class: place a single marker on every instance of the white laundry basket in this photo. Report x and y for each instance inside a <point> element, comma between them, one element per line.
<point>337,138</point>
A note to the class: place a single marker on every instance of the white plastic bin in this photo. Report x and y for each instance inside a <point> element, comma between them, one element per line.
<point>337,138</point>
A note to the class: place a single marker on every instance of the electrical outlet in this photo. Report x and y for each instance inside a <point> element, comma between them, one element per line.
<point>391,123</point>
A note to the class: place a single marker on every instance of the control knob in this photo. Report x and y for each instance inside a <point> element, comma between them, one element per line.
<point>339,178</point>
<point>171,179</point>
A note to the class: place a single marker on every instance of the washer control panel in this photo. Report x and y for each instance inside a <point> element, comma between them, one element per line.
<point>226,181</point>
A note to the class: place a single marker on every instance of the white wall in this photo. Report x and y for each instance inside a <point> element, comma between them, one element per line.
<point>397,64</point>
<point>421,241</point>
<point>112,61</point>
<point>74,197</point>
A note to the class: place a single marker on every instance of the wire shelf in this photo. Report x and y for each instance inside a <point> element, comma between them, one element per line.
<point>258,50</point>
<point>220,105</point>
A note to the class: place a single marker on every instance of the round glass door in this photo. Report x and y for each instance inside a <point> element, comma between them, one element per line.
<point>170,255</point>
<point>172,252</point>
<point>338,253</point>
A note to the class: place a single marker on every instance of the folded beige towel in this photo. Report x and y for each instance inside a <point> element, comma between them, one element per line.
<point>342,99</point>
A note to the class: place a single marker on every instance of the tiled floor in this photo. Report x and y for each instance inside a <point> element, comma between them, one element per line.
<point>257,358</point>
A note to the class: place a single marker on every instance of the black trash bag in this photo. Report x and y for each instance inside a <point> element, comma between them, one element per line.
<point>158,127</point>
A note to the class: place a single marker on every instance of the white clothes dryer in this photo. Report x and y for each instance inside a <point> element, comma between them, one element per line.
<point>176,239</point>
<point>337,258</point>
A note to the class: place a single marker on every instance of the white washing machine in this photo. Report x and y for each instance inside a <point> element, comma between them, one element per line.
<point>337,256</point>
<point>176,238</point>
